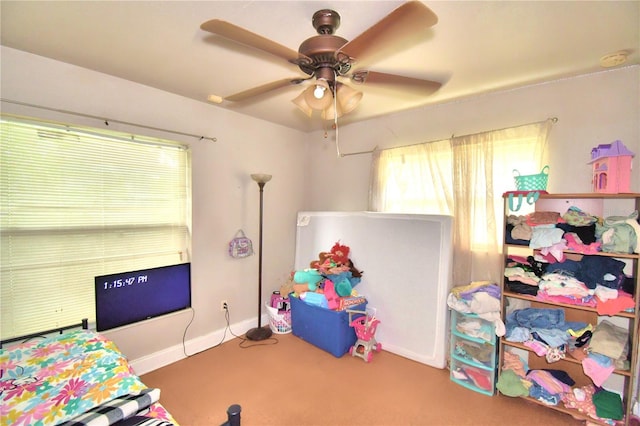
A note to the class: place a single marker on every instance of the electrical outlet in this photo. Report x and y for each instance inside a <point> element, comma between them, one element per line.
<point>224,305</point>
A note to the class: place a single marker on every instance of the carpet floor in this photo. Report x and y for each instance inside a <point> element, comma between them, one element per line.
<point>287,381</point>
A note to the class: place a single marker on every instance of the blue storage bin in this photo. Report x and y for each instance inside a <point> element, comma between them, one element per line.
<point>328,330</point>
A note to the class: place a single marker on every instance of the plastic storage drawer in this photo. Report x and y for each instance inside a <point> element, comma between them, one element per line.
<point>473,352</point>
<point>470,326</point>
<point>476,378</point>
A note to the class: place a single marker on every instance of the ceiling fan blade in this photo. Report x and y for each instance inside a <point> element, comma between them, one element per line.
<point>396,82</point>
<point>246,37</point>
<point>265,88</point>
<point>402,24</point>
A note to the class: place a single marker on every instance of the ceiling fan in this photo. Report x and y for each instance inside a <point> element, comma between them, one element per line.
<point>329,58</point>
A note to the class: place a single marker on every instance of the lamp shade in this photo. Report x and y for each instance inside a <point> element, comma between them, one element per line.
<point>322,102</point>
<point>301,103</point>
<point>261,177</point>
<point>348,98</point>
<point>329,112</point>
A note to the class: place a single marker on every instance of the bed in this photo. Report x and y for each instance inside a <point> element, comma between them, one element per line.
<point>77,377</point>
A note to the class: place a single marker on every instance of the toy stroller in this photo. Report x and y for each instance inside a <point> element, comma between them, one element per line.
<point>365,328</point>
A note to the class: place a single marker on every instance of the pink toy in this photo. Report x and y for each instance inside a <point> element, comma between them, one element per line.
<point>611,168</point>
<point>365,328</point>
<point>330,293</point>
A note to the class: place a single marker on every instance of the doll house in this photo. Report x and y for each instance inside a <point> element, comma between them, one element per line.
<point>611,168</point>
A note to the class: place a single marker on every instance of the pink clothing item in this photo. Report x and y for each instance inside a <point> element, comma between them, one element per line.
<point>546,258</point>
<point>548,382</point>
<point>575,243</point>
<point>623,302</point>
<point>584,404</point>
<point>539,348</point>
<point>480,378</point>
<point>519,259</point>
<point>555,250</point>
<point>591,302</point>
<point>597,372</point>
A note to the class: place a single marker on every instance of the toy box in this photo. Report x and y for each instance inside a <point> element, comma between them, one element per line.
<point>328,330</point>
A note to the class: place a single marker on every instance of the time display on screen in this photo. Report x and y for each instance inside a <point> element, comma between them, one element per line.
<point>127,281</point>
<point>127,297</point>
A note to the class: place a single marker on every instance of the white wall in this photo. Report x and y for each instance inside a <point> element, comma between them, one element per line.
<point>224,196</point>
<point>591,109</point>
<point>308,175</point>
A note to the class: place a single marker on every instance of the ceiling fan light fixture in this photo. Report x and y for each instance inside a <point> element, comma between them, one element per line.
<point>315,103</point>
<point>301,103</point>
<point>318,92</point>
<point>329,112</point>
<point>320,88</point>
<point>348,98</point>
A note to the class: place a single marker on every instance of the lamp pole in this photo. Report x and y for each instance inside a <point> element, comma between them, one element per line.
<point>260,333</point>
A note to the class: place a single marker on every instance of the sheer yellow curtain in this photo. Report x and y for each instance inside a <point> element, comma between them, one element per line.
<point>483,167</point>
<point>412,179</point>
<point>464,177</point>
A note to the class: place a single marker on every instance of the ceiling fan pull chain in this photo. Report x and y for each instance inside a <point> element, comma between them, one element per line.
<point>335,125</point>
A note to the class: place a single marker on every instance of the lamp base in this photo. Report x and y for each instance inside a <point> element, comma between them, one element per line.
<point>259,333</point>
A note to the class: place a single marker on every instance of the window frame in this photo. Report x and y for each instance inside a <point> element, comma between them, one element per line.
<point>91,228</point>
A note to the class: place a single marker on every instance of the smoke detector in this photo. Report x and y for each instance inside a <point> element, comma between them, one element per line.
<point>614,59</point>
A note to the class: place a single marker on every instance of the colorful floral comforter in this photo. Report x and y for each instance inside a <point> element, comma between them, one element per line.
<point>55,380</point>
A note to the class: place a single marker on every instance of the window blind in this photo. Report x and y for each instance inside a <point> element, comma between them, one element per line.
<point>78,203</point>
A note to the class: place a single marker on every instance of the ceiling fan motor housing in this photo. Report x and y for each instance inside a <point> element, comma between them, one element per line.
<point>321,49</point>
<point>326,21</point>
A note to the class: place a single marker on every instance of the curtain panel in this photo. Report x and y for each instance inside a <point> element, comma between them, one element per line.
<point>465,177</point>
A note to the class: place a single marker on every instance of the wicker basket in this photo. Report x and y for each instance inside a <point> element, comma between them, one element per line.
<point>532,182</point>
<point>279,322</point>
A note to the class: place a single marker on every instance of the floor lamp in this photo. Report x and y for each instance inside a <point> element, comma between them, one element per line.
<point>260,333</point>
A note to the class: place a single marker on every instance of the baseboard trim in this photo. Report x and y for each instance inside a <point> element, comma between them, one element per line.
<point>175,353</point>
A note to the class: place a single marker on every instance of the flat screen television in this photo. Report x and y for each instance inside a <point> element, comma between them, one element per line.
<point>129,297</point>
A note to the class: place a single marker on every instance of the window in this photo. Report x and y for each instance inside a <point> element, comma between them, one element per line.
<point>414,179</point>
<point>76,203</point>
<point>464,177</point>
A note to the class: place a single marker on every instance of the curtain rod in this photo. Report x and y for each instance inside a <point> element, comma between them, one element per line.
<point>552,119</point>
<point>109,120</point>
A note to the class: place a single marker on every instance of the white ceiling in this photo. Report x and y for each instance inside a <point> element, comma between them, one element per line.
<point>476,46</point>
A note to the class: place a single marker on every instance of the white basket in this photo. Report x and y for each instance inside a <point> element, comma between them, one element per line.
<point>280,323</point>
